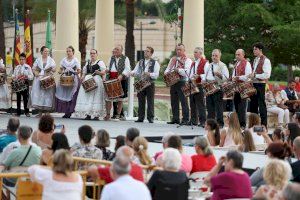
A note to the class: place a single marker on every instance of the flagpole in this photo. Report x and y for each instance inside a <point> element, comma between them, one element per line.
<point>15,18</point>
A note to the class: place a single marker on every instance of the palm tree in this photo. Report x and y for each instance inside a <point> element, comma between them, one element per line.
<point>2,41</point>
<point>129,43</point>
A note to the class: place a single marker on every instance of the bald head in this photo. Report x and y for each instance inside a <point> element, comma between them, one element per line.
<point>240,54</point>
<point>126,152</point>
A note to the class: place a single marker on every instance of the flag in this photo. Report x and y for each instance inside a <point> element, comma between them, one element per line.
<point>17,46</point>
<point>27,41</point>
<point>48,32</point>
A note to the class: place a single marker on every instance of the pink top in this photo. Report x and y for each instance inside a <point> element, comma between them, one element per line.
<point>186,162</point>
<point>229,185</point>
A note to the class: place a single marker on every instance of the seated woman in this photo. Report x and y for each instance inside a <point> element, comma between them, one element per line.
<point>232,136</point>
<point>212,132</point>
<point>254,120</point>
<point>141,156</point>
<point>204,160</point>
<point>176,181</point>
<point>59,182</point>
<point>276,174</point>
<point>292,131</point>
<point>59,141</point>
<point>248,143</point>
<point>234,183</point>
<point>102,142</point>
<point>276,104</point>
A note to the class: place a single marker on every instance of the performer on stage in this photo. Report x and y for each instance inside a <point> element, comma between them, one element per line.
<point>66,96</point>
<point>240,74</point>
<point>216,71</point>
<point>146,68</point>
<point>197,104</point>
<point>261,73</point>
<point>23,71</point>
<point>181,64</point>
<point>92,104</point>
<point>42,99</point>
<point>119,68</point>
<point>4,92</point>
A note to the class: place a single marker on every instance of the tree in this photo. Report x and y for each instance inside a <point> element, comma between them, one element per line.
<point>129,43</point>
<point>2,41</point>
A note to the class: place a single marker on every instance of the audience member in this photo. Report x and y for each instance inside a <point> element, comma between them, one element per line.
<point>131,134</point>
<point>296,118</point>
<point>292,131</point>
<point>290,96</point>
<point>103,172</point>
<point>277,135</point>
<point>102,142</point>
<point>164,142</point>
<point>296,165</point>
<point>231,135</point>
<point>291,192</point>
<point>170,183</point>
<point>254,120</point>
<point>59,141</point>
<point>277,150</point>
<point>204,160</point>
<point>276,104</point>
<point>212,132</point>
<point>42,136</point>
<point>11,133</point>
<point>140,147</point>
<point>234,182</point>
<point>124,186</point>
<point>248,143</point>
<point>86,149</point>
<point>60,182</point>
<point>276,175</point>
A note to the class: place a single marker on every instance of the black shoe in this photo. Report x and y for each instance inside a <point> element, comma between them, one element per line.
<point>96,118</point>
<point>150,121</point>
<point>88,117</point>
<point>193,123</point>
<point>17,115</point>
<point>27,114</point>
<point>173,122</point>
<point>139,120</point>
<point>113,117</point>
<point>66,116</point>
<point>185,123</point>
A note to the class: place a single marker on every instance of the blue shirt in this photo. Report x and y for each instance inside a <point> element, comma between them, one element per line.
<point>6,139</point>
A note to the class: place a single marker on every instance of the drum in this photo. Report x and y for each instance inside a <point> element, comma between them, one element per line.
<point>229,89</point>
<point>189,88</point>
<point>18,85</point>
<point>89,84</point>
<point>171,78</point>
<point>47,82</point>
<point>113,88</point>
<point>2,78</point>
<point>246,89</point>
<point>66,81</point>
<point>142,84</point>
<point>210,88</point>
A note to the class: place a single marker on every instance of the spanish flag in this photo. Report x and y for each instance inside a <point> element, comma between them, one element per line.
<point>27,40</point>
<point>17,46</point>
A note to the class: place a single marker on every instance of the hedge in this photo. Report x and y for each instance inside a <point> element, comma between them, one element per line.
<point>280,74</point>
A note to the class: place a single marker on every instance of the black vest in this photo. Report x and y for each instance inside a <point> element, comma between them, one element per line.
<point>142,66</point>
<point>90,69</point>
<point>121,64</point>
<point>290,95</point>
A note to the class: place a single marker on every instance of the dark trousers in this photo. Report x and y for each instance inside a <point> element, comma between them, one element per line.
<point>214,104</point>
<point>149,94</point>
<point>25,95</point>
<point>115,109</point>
<point>197,106</point>
<point>176,96</point>
<point>240,106</point>
<point>258,102</point>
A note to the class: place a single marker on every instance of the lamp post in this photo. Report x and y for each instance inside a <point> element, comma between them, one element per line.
<point>141,38</point>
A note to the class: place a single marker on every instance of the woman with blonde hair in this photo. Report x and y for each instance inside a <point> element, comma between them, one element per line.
<point>276,175</point>
<point>248,143</point>
<point>140,146</point>
<point>232,135</point>
<point>60,182</point>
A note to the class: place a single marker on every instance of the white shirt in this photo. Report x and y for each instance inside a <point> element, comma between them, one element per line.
<point>126,71</point>
<point>284,94</point>
<point>257,139</point>
<point>193,70</point>
<point>126,188</point>
<point>218,67</point>
<point>23,70</point>
<point>248,71</point>
<point>153,75</point>
<point>1,64</point>
<point>182,72</point>
<point>55,190</point>
<point>38,64</point>
<point>266,68</point>
<point>100,63</point>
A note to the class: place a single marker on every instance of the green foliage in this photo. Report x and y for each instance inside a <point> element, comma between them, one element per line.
<point>280,74</point>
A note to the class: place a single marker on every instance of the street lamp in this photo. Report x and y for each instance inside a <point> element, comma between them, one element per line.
<point>141,55</point>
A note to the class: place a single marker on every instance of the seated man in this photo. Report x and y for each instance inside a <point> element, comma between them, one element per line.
<point>11,134</point>
<point>103,172</point>
<point>290,96</point>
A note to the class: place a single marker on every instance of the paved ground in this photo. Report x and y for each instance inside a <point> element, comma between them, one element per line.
<point>114,127</point>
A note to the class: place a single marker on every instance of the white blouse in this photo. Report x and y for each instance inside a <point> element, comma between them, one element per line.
<point>55,190</point>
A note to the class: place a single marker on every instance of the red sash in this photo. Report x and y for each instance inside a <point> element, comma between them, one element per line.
<point>200,68</point>
<point>113,75</point>
<point>259,68</point>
